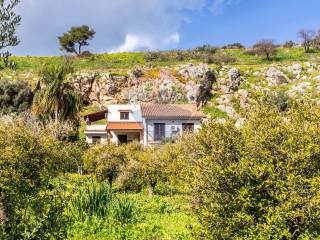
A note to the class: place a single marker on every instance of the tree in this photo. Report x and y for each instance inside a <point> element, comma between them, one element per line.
<point>15,96</point>
<point>76,38</point>
<point>316,40</point>
<point>265,48</point>
<point>9,21</point>
<point>105,161</point>
<point>260,181</point>
<point>307,38</point>
<point>31,208</point>
<point>57,97</point>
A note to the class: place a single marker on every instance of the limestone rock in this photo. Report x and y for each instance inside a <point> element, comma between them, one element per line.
<point>191,71</point>
<point>275,77</point>
<point>299,89</point>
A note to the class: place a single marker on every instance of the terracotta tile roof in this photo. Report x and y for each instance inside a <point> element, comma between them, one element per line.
<point>124,126</point>
<point>171,111</point>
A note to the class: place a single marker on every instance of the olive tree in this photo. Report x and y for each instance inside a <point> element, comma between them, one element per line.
<point>105,161</point>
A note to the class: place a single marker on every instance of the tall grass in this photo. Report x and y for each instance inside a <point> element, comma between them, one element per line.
<point>96,201</point>
<point>124,210</point>
<point>93,201</point>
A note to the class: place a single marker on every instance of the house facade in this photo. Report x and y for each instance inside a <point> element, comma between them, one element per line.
<point>149,124</point>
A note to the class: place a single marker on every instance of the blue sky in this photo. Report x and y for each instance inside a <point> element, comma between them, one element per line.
<point>131,25</point>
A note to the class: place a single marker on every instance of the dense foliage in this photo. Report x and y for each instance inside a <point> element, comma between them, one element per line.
<point>31,208</point>
<point>260,181</point>
<point>15,96</point>
<point>257,181</point>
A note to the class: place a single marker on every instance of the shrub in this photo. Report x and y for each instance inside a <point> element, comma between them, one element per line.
<point>105,161</point>
<point>28,162</point>
<point>233,46</point>
<point>207,48</point>
<point>15,96</point>
<point>289,44</point>
<point>220,59</point>
<point>260,181</point>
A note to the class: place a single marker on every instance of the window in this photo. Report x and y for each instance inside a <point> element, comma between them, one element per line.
<point>124,115</point>
<point>188,127</point>
<point>159,131</point>
<point>96,139</point>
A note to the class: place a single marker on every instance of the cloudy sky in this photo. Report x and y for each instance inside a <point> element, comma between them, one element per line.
<point>131,25</point>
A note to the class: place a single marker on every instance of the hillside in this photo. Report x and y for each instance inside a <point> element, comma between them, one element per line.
<point>175,77</point>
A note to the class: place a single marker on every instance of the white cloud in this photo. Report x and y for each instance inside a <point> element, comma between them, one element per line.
<point>139,42</point>
<point>134,42</point>
<point>123,25</point>
<point>120,24</point>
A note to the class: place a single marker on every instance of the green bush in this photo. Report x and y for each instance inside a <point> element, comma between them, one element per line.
<point>28,162</point>
<point>260,181</point>
<point>15,96</point>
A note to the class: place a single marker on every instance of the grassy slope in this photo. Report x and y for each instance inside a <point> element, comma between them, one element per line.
<point>129,60</point>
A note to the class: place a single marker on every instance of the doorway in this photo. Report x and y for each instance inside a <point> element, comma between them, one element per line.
<point>123,139</point>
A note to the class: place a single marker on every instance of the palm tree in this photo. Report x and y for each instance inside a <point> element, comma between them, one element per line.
<point>57,98</point>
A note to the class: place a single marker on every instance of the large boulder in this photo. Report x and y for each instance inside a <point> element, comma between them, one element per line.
<point>275,77</point>
<point>156,91</point>
<point>194,72</point>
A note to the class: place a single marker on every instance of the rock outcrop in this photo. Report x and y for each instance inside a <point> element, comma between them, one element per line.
<point>275,77</point>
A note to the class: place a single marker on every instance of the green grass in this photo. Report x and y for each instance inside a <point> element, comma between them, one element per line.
<point>167,217</point>
<point>214,112</point>
<point>129,60</point>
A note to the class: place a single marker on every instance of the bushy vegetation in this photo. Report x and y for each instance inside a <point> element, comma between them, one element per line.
<point>260,181</point>
<point>15,96</point>
<point>257,181</point>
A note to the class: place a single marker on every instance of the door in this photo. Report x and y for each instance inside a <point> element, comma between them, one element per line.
<point>123,139</point>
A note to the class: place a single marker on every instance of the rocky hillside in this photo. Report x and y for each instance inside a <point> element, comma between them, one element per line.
<point>236,87</point>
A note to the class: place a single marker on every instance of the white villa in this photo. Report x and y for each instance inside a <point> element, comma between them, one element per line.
<point>149,124</point>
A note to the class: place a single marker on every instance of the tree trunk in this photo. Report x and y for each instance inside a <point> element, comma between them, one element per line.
<point>110,180</point>
<point>3,215</point>
<point>79,53</point>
